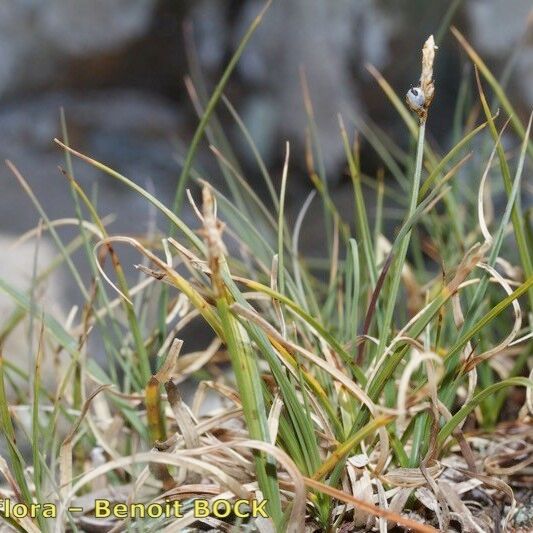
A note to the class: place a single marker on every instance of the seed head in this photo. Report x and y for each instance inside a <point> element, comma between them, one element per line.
<point>419,98</point>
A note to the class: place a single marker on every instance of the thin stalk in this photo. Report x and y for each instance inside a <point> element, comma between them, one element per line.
<point>392,294</point>
<point>281,225</point>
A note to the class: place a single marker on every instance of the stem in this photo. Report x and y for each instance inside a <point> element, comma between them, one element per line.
<point>402,252</point>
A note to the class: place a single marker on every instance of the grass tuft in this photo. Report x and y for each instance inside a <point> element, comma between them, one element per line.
<point>388,383</point>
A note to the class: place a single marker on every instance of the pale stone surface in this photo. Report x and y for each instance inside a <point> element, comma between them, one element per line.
<point>20,347</point>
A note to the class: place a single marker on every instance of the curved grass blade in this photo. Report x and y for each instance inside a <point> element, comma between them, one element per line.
<point>449,427</point>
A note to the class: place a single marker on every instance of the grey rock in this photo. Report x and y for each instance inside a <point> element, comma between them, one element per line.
<point>20,346</point>
<point>489,17</point>
<point>80,28</point>
<point>133,133</point>
<point>37,38</point>
<point>318,36</point>
<point>501,30</point>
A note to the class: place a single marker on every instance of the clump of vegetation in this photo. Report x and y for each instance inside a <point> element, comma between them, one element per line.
<point>383,386</point>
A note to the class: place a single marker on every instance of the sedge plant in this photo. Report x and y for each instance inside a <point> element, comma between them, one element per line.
<point>354,388</point>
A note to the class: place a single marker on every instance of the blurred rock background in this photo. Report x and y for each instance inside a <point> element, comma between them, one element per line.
<point>118,67</point>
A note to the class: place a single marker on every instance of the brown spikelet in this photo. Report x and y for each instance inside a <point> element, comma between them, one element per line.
<point>426,78</point>
<point>419,98</point>
<point>212,233</point>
